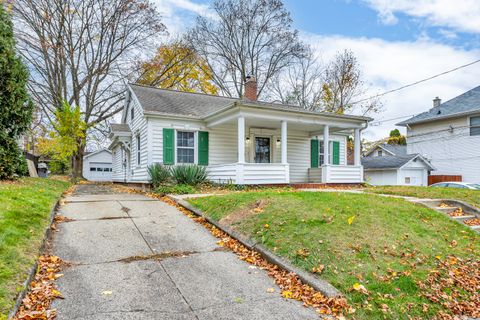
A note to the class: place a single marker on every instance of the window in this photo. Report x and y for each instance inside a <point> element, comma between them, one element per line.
<point>380,153</point>
<point>138,149</point>
<point>262,150</point>
<point>321,157</point>
<point>475,126</point>
<point>132,113</point>
<point>185,147</point>
<point>93,169</point>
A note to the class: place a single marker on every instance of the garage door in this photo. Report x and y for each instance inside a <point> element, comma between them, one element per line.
<point>413,177</point>
<point>99,171</point>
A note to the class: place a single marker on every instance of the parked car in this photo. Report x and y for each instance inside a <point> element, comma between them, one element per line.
<point>459,185</point>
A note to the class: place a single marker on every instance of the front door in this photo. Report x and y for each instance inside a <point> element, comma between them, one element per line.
<point>262,150</point>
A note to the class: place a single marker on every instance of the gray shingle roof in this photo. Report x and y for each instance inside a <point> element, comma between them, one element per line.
<point>120,127</point>
<point>397,150</point>
<point>198,105</point>
<point>386,162</point>
<point>195,105</point>
<point>468,102</point>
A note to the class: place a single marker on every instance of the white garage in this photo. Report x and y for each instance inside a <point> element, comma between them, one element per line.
<point>405,170</point>
<point>97,166</point>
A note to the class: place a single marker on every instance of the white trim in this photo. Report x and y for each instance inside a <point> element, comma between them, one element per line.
<point>195,146</point>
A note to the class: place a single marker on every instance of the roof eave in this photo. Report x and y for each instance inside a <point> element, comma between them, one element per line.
<point>448,116</point>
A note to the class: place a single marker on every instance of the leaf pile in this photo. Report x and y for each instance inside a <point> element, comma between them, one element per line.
<point>457,213</point>
<point>42,291</point>
<point>455,285</point>
<point>472,222</point>
<point>291,286</point>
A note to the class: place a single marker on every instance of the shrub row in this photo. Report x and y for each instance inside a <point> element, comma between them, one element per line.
<point>190,174</point>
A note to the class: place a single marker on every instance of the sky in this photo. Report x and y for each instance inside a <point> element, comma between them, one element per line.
<point>396,42</point>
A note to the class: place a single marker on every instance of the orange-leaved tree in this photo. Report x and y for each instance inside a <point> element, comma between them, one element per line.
<point>177,66</point>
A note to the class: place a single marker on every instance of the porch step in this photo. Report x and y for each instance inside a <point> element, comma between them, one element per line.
<point>461,218</point>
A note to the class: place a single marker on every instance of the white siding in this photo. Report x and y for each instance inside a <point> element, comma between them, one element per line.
<point>102,159</point>
<point>451,151</point>
<point>138,172</point>
<point>117,172</point>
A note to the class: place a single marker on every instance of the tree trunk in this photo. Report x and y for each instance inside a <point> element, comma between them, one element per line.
<point>77,160</point>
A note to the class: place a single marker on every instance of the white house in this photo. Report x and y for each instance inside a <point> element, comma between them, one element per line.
<point>391,165</point>
<point>242,141</point>
<point>448,135</point>
<point>97,166</point>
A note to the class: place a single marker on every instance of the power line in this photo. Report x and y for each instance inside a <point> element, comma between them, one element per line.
<point>417,82</point>
<point>379,122</point>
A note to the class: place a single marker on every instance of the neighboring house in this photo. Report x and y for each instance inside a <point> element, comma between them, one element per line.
<point>97,166</point>
<point>240,141</point>
<point>385,149</point>
<point>401,170</point>
<point>448,135</point>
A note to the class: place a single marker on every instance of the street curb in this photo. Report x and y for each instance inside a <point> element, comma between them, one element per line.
<point>33,270</point>
<point>320,285</point>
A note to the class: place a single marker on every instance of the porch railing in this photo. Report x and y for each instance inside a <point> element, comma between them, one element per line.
<point>249,173</point>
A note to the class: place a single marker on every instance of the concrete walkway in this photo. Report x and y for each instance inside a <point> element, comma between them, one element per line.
<point>112,276</point>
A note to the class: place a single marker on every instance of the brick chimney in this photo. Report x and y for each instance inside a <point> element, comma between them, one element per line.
<point>437,101</point>
<point>250,88</point>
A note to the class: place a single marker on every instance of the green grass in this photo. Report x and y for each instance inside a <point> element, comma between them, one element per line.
<point>25,207</point>
<point>371,247</point>
<point>470,196</point>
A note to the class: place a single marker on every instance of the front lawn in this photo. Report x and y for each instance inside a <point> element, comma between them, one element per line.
<point>25,207</point>
<point>386,245</point>
<point>470,196</point>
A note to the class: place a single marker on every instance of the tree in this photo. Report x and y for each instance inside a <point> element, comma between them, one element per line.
<point>396,138</point>
<point>65,139</point>
<point>343,84</point>
<point>248,37</point>
<point>81,52</point>
<point>177,66</point>
<point>300,84</point>
<point>15,105</point>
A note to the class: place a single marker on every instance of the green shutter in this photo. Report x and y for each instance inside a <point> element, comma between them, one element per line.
<point>203,148</point>
<point>168,144</point>
<point>314,153</point>
<point>336,152</point>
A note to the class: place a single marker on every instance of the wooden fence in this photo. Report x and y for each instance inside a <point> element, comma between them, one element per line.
<point>442,178</point>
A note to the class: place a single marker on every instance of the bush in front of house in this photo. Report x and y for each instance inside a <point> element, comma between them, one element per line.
<point>175,189</point>
<point>159,174</point>
<point>190,174</point>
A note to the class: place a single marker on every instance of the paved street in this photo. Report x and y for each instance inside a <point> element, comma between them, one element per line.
<point>113,276</point>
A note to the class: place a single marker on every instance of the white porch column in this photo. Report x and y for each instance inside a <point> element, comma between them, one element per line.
<point>284,141</point>
<point>356,147</point>
<point>241,139</point>
<point>326,149</point>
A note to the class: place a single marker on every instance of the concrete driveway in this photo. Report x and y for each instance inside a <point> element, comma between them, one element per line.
<point>111,242</point>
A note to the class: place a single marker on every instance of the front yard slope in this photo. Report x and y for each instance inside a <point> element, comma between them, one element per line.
<point>25,207</point>
<point>376,250</point>
<point>467,195</point>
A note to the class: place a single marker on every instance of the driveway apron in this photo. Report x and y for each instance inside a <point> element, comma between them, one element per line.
<point>133,257</point>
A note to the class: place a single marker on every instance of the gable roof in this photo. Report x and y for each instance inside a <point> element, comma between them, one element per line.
<point>120,127</point>
<point>391,162</point>
<point>199,105</point>
<point>466,103</point>
<point>395,149</point>
<point>187,104</point>
<point>89,154</point>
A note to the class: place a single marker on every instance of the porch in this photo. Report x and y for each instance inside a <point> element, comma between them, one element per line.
<point>275,147</point>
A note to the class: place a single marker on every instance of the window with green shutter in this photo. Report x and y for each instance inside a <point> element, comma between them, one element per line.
<point>314,153</point>
<point>336,152</point>
<point>203,148</point>
<point>168,143</point>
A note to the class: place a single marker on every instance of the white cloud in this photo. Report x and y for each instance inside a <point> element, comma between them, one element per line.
<point>462,15</point>
<point>178,15</point>
<point>387,65</point>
